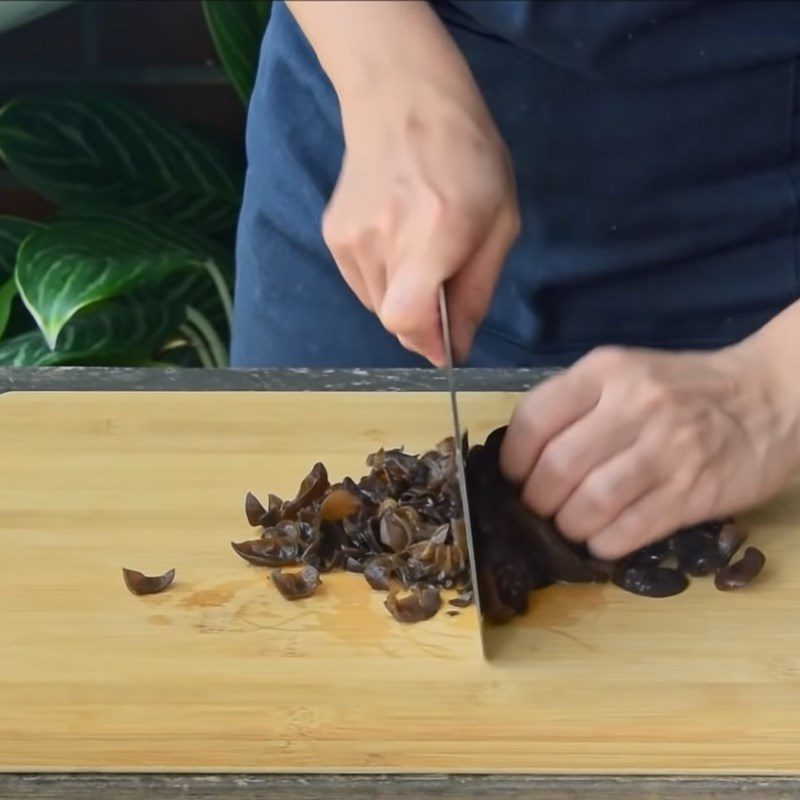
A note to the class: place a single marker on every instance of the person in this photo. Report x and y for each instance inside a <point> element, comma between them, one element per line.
<point>609,187</point>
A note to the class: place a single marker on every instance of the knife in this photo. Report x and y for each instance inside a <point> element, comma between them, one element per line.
<point>462,474</point>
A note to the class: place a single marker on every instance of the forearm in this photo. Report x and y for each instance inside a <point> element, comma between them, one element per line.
<point>361,44</point>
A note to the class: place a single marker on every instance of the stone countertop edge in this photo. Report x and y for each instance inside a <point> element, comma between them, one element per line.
<point>275,380</point>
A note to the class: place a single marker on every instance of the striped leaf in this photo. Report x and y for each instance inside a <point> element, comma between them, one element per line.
<point>12,231</point>
<point>209,290</point>
<point>237,27</point>
<point>120,332</point>
<point>8,291</point>
<point>80,147</point>
<point>95,256</point>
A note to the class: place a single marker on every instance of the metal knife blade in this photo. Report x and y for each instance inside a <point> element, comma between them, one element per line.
<point>462,474</point>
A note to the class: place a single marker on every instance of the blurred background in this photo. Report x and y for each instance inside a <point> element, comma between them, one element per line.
<point>121,166</point>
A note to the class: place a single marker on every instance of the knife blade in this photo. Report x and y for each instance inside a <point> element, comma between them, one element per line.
<point>460,466</point>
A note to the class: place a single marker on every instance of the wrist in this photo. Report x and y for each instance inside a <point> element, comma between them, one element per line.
<point>767,384</point>
<point>377,48</point>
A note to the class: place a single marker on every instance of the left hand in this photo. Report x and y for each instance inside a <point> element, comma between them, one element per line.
<point>629,445</point>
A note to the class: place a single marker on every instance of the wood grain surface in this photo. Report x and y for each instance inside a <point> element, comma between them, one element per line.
<point>221,674</point>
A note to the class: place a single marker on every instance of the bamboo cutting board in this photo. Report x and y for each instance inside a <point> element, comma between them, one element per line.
<point>220,673</point>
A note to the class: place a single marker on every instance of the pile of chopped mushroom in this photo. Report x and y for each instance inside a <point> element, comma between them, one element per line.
<point>401,527</point>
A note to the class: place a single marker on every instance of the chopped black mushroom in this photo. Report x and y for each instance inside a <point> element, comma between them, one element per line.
<point>297,585</point>
<point>337,505</point>
<point>463,600</point>
<point>731,538</point>
<point>652,581</point>
<point>401,525</point>
<point>268,552</point>
<point>420,604</point>
<point>145,584</point>
<point>380,570</point>
<point>254,510</point>
<point>740,573</point>
<point>697,550</point>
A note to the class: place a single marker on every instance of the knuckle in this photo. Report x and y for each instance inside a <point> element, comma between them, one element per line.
<point>453,212</point>
<point>689,438</point>
<point>600,494</point>
<point>633,526</point>
<point>556,464</point>
<point>333,233</point>
<point>655,395</point>
<point>684,479</point>
<point>572,527</point>
<point>607,359</point>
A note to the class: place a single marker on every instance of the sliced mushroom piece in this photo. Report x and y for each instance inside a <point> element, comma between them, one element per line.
<point>742,572</point>
<point>420,604</point>
<point>379,570</point>
<point>396,532</point>
<point>269,552</point>
<point>652,581</point>
<point>138,583</point>
<point>463,600</point>
<point>297,585</point>
<point>731,538</point>
<point>253,509</point>
<point>652,555</point>
<point>312,487</point>
<point>352,564</point>
<point>696,550</point>
<point>339,504</point>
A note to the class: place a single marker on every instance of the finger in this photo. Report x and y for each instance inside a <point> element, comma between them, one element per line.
<point>652,517</point>
<point>349,269</point>
<point>472,287</point>
<point>606,492</point>
<point>410,310</point>
<point>344,257</point>
<point>410,306</point>
<point>421,328</point>
<point>571,455</point>
<point>542,414</point>
<point>368,252</point>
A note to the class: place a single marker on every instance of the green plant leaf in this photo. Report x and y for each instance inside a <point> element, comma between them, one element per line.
<point>118,332</point>
<point>81,147</point>
<point>237,28</point>
<point>12,231</point>
<point>8,292</point>
<point>96,256</point>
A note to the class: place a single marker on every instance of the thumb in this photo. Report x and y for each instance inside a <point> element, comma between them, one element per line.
<point>410,307</point>
<point>410,310</point>
<point>472,287</point>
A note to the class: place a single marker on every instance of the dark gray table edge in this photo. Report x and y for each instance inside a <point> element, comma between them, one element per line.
<point>236,786</point>
<point>210,380</point>
<point>387,787</point>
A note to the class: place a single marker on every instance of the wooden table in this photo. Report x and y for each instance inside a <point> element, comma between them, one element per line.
<point>88,786</point>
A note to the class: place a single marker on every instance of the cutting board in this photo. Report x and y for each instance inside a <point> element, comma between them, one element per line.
<point>221,673</point>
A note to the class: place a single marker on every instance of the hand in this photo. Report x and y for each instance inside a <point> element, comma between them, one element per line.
<point>426,195</point>
<point>627,446</point>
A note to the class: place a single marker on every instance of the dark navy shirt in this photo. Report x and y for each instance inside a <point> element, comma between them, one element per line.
<point>656,147</point>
